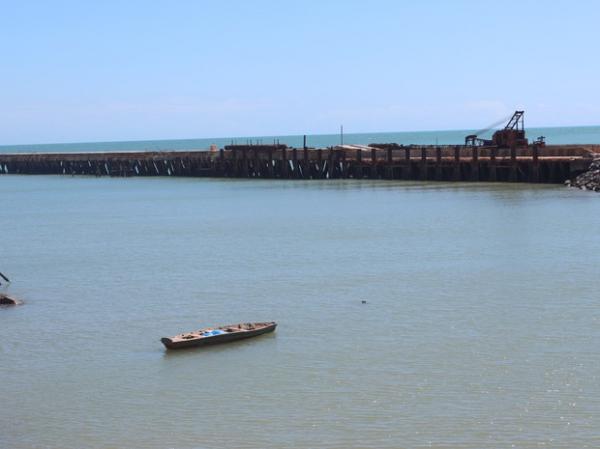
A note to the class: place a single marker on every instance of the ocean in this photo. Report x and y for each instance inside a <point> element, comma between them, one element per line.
<point>558,135</point>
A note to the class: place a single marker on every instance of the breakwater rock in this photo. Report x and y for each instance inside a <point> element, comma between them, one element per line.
<point>588,180</point>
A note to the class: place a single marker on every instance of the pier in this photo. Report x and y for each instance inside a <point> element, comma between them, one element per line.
<point>544,164</point>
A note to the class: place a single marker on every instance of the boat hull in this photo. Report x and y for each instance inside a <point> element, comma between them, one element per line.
<point>175,343</point>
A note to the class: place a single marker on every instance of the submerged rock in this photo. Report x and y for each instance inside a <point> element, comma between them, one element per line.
<point>589,180</point>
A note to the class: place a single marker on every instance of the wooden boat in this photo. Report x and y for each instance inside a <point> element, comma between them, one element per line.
<point>215,335</point>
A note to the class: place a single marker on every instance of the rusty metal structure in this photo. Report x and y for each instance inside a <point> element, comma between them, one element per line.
<point>511,136</point>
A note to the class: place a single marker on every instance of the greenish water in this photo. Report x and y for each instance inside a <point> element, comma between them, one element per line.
<point>481,328</point>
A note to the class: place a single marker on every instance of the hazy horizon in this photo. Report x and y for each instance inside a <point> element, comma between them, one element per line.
<point>579,135</point>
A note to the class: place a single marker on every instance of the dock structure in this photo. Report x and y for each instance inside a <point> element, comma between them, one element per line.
<point>543,163</point>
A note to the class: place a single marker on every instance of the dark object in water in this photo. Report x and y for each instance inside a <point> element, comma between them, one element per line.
<point>6,300</point>
<point>5,278</point>
<point>363,301</point>
<point>223,334</point>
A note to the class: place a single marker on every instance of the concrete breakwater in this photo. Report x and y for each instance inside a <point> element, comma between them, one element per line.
<point>549,164</point>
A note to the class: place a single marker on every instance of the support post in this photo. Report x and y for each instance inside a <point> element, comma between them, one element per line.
<point>295,163</point>
<point>535,174</point>
<point>438,164</point>
<point>456,168</point>
<point>390,161</point>
<point>407,169</point>
<point>284,164</point>
<point>493,169</point>
<point>373,163</point>
<point>257,164</point>
<point>234,157</point>
<point>306,170</point>
<point>244,162</point>
<point>423,167</point>
<point>270,163</point>
<point>512,177</point>
<point>319,163</point>
<point>358,169</point>
<point>475,164</point>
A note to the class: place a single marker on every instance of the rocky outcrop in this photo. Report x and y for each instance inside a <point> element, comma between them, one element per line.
<point>589,180</point>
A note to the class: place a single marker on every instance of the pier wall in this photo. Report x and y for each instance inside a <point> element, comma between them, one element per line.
<point>549,164</point>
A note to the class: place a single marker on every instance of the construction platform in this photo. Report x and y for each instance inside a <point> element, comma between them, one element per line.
<point>545,164</point>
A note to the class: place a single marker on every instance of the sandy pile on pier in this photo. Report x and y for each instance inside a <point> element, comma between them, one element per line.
<point>589,180</point>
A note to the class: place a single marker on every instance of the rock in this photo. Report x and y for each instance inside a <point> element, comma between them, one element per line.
<point>6,300</point>
<point>589,180</point>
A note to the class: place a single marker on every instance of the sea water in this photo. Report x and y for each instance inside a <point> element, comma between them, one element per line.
<point>553,136</point>
<point>481,327</point>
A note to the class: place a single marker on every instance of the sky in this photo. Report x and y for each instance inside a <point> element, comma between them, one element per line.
<point>79,71</point>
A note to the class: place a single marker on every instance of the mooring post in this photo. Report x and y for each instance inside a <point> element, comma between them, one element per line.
<point>438,163</point>
<point>456,174</point>
<point>475,164</point>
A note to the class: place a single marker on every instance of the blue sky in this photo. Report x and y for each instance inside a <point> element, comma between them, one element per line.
<point>127,70</point>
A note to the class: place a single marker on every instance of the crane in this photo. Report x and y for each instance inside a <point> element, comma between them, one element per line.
<point>513,133</point>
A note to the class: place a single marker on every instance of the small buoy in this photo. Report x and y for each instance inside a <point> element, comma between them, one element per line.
<point>363,301</point>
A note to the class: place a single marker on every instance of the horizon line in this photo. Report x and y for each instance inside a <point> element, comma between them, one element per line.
<point>274,136</point>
